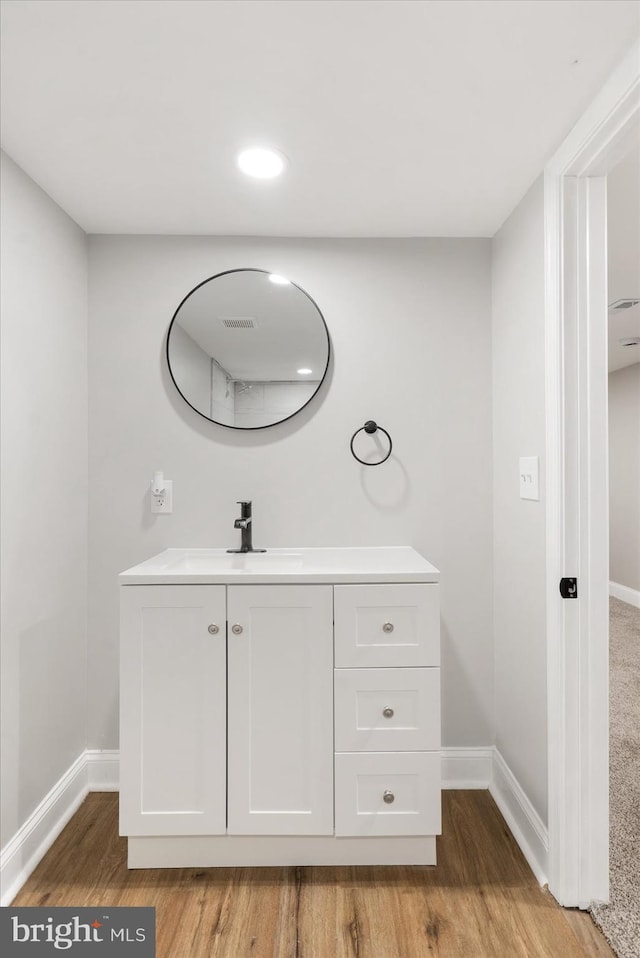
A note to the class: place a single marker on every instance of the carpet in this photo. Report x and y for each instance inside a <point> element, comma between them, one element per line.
<point>620,919</point>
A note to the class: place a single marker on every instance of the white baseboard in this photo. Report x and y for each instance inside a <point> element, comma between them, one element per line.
<point>92,771</point>
<point>467,767</point>
<point>625,594</point>
<point>31,842</point>
<point>486,768</point>
<point>103,769</point>
<point>525,824</point>
<point>97,771</point>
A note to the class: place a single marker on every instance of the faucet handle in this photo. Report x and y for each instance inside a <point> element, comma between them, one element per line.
<point>243,502</point>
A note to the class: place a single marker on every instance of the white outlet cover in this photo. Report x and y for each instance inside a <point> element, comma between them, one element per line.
<point>163,504</point>
<point>529,477</point>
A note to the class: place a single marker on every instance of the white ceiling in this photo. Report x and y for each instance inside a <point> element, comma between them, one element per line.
<point>623,249</point>
<point>399,117</point>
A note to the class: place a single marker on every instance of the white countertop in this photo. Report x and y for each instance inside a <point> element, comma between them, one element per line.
<point>295,565</point>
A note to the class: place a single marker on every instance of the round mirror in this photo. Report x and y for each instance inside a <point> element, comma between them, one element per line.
<point>247,348</point>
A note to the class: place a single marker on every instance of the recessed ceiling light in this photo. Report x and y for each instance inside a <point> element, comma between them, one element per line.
<point>305,372</point>
<point>262,163</point>
<point>279,280</point>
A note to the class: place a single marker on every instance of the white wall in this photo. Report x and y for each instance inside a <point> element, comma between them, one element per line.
<point>223,396</point>
<point>519,524</point>
<point>624,477</point>
<point>191,367</point>
<point>410,327</point>
<point>264,403</point>
<point>623,256</point>
<point>44,495</point>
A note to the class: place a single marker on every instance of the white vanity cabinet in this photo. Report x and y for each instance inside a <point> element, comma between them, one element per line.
<point>280,711</point>
<point>280,728</point>
<point>197,759</point>
<point>387,719</point>
<point>173,704</point>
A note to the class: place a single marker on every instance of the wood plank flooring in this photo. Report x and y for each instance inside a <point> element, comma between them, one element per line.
<point>480,901</point>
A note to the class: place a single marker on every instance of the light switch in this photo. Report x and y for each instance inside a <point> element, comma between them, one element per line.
<point>529,477</point>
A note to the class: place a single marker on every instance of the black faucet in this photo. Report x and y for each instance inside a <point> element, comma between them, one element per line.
<point>245,524</point>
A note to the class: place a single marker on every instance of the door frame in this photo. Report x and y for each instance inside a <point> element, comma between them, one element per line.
<point>577,525</point>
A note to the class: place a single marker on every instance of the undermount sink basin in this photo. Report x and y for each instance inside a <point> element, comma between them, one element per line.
<point>305,565</point>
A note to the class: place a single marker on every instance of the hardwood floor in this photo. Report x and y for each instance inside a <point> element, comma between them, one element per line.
<point>480,901</point>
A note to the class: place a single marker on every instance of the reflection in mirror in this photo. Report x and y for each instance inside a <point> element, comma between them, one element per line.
<point>247,348</point>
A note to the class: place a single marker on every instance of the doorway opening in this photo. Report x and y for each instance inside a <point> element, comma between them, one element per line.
<point>623,270</point>
<point>577,486</point>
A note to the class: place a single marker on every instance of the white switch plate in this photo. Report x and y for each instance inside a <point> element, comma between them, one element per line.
<point>529,477</point>
<point>164,503</point>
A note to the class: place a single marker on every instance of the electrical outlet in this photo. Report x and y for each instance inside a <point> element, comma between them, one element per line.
<point>163,503</point>
<point>529,477</point>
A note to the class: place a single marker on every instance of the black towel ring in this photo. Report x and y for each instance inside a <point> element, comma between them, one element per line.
<point>370,427</point>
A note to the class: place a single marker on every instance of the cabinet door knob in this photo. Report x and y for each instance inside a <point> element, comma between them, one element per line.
<point>387,627</point>
<point>388,797</point>
<point>387,711</point>
<point>213,629</point>
<point>236,629</point>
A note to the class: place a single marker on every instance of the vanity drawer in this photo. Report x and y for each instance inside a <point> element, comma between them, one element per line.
<point>378,710</point>
<point>388,793</point>
<point>387,625</point>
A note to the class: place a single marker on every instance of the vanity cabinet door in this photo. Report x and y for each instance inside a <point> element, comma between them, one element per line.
<point>173,710</point>
<point>280,723</point>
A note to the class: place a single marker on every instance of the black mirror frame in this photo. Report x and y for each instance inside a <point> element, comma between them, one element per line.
<point>267,272</point>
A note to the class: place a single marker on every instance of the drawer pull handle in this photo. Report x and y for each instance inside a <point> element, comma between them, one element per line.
<point>213,629</point>
<point>388,797</point>
<point>387,711</point>
<point>387,627</point>
<point>236,629</point>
